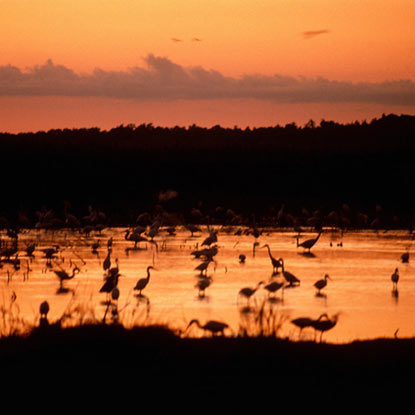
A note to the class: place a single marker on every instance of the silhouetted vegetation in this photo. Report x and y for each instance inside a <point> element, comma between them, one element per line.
<point>258,170</point>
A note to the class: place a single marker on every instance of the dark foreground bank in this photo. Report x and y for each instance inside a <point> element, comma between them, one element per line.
<point>156,359</point>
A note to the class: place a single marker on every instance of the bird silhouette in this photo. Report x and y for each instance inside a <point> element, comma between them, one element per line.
<point>64,276</point>
<point>273,286</point>
<point>107,261</point>
<point>242,258</point>
<point>202,284</point>
<point>248,292</point>
<point>276,263</point>
<point>395,279</point>
<point>134,237</point>
<point>405,257</point>
<point>202,267</point>
<point>309,243</point>
<point>324,323</point>
<point>142,282</point>
<point>212,326</point>
<point>289,277</point>
<point>44,310</point>
<point>111,281</point>
<point>320,284</point>
<point>302,323</point>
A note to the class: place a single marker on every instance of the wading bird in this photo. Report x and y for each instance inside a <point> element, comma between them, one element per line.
<point>134,237</point>
<point>302,323</point>
<point>289,277</point>
<point>324,323</point>
<point>212,326</point>
<point>248,292</point>
<point>64,276</point>
<point>242,259</point>
<point>111,282</point>
<point>202,284</point>
<point>405,257</point>
<point>273,286</point>
<point>395,279</point>
<point>276,263</point>
<point>309,243</point>
<point>320,284</point>
<point>204,266</point>
<point>142,282</point>
<point>107,261</point>
<point>44,310</point>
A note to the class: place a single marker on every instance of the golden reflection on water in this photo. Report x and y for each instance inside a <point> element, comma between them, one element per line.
<point>360,265</point>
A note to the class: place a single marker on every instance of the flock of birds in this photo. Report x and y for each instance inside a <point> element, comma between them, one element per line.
<point>281,277</point>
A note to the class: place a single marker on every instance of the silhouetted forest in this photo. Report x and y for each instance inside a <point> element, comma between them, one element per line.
<point>258,170</point>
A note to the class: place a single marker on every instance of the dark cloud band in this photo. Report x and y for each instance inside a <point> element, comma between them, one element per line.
<point>163,79</point>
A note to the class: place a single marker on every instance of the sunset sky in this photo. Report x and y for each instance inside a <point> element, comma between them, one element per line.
<point>87,63</point>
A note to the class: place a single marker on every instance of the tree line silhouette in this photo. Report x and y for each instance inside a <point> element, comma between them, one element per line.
<point>123,169</point>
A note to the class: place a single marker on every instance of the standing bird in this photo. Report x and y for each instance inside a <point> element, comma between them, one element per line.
<point>64,276</point>
<point>142,282</point>
<point>276,263</point>
<point>405,257</point>
<point>302,323</point>
<point>324,323</point>
<point>289,277</point>
<point>212,326</point>
<point>107,261</point>
<point>44,310</point>
<point>395,279</point>
<point>320,284</point>
<point>111,282</point>
<point>273,286</point>
<point>134,237</point>
<point>242,259</point>
<point>204,266</point>
<point>309,243</point>
<point>248,292</point>
<point>202,284</point>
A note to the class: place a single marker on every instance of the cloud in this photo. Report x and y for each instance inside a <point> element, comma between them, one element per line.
<point>312,33</point>
<point>163,79</point>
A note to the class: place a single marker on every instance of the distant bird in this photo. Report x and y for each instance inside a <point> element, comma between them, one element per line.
<point>254,245</point>
<point>276,263</point>
<point>302,323</point>
<point>273,286</point>
<point>202,284</point>
<point>134,237</point>
<point>324,323</point>
<point>242,259</point>
<point>202,267</point>
<point>212,238</point>
<point>111,282</point>
<point>142,282</point>
<point>320,284</point>
<point>107,261</point>
<point>212,326</point>
<point>50,253</point>
<point>64,276</point>
<point>395,279</point>
<point>405,257</point>
<point>289,277</point>
<point>44,310</point>
<point>309,243</point>
<point>248,292</point>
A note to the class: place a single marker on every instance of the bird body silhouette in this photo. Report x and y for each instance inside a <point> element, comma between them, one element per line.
<point>395,279</point>
<point>289,277</point>
<point>302,322</point>
<point>142,282</point>
<point>212,326</point>
<point>276,263</point>
<point>320,284</point>
<point>134,237</point>
<point>309,243</point>
<point>248,292</point>
<point>202,284</point>
<point>324,323</point>
<point>64,276</point>
<point>273,286</point>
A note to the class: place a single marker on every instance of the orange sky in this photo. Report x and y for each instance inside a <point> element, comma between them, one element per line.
<point>348,40</point>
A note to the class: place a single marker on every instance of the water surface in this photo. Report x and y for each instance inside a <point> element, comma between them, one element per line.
<point>360,288</point>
